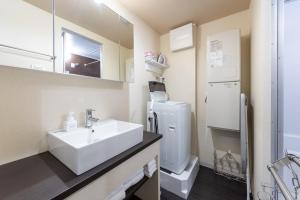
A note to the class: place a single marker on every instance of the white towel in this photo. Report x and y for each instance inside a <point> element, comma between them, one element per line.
<point>151,163</point>
<point>150,168</point>
<point>149,173</point>
<point>153,168</point>
<point>117,194</point>
<point>135,178</point>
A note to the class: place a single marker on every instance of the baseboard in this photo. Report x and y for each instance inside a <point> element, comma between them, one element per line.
<point>206,165</point>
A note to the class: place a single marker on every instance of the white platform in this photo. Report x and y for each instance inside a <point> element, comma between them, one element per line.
<point>181,184</point>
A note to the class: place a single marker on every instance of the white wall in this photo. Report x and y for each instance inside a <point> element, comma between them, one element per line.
<point>145,39</point>
<point>212,139</point>
<point>33,102</point>
<point>181,79</point>
<point>183,85</point>
<point>261,36</point>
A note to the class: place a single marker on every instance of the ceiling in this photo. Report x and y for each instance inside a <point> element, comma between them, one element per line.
<point>163,15</point>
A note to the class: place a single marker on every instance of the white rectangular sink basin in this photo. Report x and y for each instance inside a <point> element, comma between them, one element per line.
<point>83,149</point>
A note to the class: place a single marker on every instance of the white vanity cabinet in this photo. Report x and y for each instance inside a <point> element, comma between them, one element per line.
<point>104,185</point>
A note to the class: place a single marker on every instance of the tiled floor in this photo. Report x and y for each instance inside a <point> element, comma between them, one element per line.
<point>210,186</point>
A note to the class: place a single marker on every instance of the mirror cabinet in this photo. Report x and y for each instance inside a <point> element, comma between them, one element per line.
<point>82,38</point>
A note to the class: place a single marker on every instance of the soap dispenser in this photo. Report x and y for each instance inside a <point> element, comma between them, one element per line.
<point>71,123</point>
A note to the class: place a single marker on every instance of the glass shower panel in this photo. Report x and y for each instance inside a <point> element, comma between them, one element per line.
<point>289,87</point>
<point>291,77</point>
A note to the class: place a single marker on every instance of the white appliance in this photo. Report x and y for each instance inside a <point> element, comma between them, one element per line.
<point>223,105</point>
<point>174,123</point>
<point>224,56</point>
<point>182,37</point>
<point>224,69</point>
<point>173,120</point>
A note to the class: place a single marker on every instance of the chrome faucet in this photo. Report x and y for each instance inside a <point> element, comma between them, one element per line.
<point>89,119</point>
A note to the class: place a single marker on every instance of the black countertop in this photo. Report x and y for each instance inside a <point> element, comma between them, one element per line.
<point>43,177</point>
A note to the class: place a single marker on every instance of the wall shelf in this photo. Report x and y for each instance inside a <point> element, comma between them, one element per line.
<point>154,66</point>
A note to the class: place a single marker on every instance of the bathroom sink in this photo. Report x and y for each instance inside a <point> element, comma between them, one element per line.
<point>83,148</point>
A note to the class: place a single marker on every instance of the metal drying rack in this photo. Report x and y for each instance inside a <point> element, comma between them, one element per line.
<point>286,162</point>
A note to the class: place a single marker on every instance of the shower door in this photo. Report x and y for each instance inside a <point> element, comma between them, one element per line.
<point>288,100</point>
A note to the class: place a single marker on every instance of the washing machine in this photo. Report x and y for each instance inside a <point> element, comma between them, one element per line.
<point>172,120</point>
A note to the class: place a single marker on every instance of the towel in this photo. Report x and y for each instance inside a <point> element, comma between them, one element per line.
<point>117,194</point>
<point>149,174</point>
<point>151,163</point>
<point>134,179</point>
<point>150,168</point>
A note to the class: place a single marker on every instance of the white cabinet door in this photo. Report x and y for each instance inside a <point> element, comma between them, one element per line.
<point>224,56</point>
<point>223,105</point>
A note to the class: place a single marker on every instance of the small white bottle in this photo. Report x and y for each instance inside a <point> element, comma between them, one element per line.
<point>71,123</point>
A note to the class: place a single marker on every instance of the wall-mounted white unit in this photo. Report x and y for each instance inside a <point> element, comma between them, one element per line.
<point>224,56</point>
<point>182,37</point>
<point>223,105</point>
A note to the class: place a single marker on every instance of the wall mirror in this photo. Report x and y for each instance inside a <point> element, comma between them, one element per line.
<point>81,37</point>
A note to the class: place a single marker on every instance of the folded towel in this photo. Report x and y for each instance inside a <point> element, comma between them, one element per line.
<point>150,166</point>
<point>135,178</point>
<point>151,163</point>
<point>117,194</point>
<point>153,168</point>
<point>149,173</point>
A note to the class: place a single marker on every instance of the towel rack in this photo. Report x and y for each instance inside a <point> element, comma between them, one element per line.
<point>27,51</point>
<point>273,168</point>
